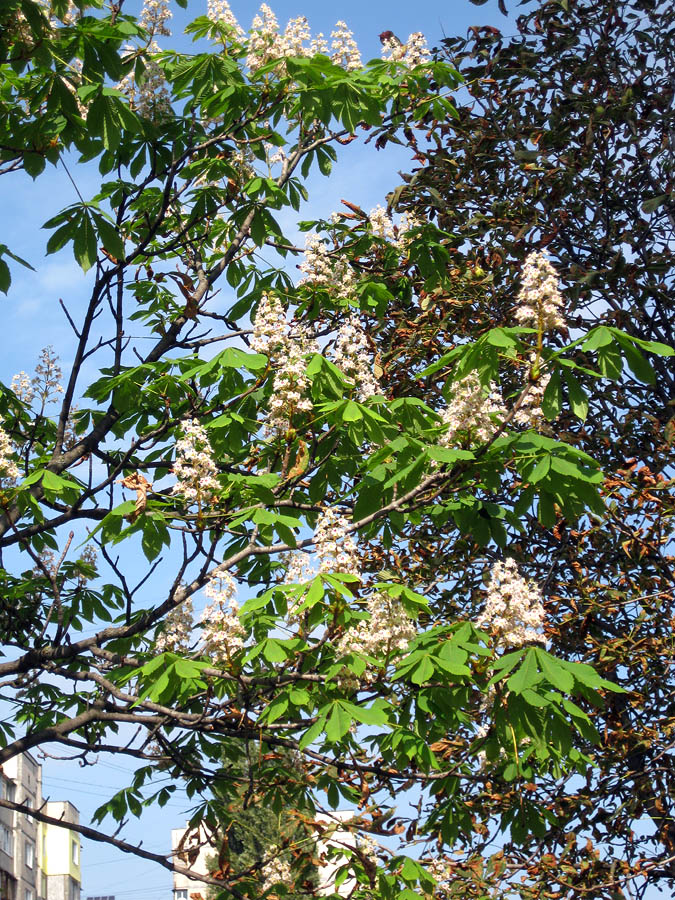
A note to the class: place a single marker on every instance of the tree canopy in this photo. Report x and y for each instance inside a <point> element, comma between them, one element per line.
<point>296,524</point>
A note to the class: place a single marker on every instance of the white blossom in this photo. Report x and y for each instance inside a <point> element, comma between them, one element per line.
<point>381,223</point>
<point>177,629</point>
<point>416,50</point>
<point>514,608</point>
<point>318,45</point>
<point>539,298</point>
<point>529,412</point>
<point>325,270</point>
<point>388,628</point>
<point>155,14</point>
<point>291,42</point>
<point>345,51</point>
<point>352,357</point>
<point>286,346</point>
<point>222,634</point>
<point>291,382</point>
<point>47,380</point>
<point>264,34</point>
<point>194,466</point>
<point>219,11</point>
<point>150,98</point>
<point>413,53</point>
<point>269,326</point>
<point>474,412</point>
<point>299,569</point>
<point>275,871</point>
<point>9,470</point>
<point>336,549</point>
<point>407,223</point>
<point>22,386</point>
<point>443,871</point>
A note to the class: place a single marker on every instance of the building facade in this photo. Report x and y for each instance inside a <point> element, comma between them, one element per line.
<point>37,861</point>
<point>193,850</point>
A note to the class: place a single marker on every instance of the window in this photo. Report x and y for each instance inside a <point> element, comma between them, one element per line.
<point>76,852</point>
<point>8,790</point>
<point>180,894</point>
<point>6,841</point>
<point>30,855</point>
<point>29,894</point>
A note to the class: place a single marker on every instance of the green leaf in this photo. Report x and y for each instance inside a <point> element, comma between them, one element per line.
<point>312,733</point>
<point>541,470</point>
<point>527,675</point>
<point>556,673</point>
<point>351,412</point>
<point>423,671</point>
<point>84,243</point>
<point>5,277</point>
<point>552,399</point>
<point>577,396</point>
<point>597,337</point>
<point>338,722</point>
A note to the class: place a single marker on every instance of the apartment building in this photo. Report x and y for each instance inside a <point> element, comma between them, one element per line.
<point>194,851</point>
<point>37,861</point>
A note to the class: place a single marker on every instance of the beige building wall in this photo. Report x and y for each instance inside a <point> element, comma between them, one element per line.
<point>37,861</point>
<point>26,774</point>
<point>184,887</point>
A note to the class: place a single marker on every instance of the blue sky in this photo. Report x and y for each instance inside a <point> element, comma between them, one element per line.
<point>32,319</point>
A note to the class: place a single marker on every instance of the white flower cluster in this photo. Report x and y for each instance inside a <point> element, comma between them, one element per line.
<point>266,43</point>
<point>269,326</point>
<point>291,42</point>
<point>176,633</point>
<point>264,34</point>
<point>444,872</point>
<point>368,849</point>
<point>154,17</point>
<point>223,634</point>
<point>47,380</point>
<point>530,413</point>
<point>194,466</point>
<point>383,226</point>
<point>388,628</point>
<point>539,298</point>
<point>336,549</point>
<point>473,413</point>
<point>345,51</point>
<point>352,356</point>
<point>299,569</point>
<point>219,11</point>
<point>9,470</point>
<point>323,270</point>
<point>22,386</point>
<point>45,384</point>
<point>275,871</point>
<point>286,348</point>
<point>413,53</point>
<point>381,223</point>
<point>514,609</point>
<point>151,98</point>
<point>289,391</point>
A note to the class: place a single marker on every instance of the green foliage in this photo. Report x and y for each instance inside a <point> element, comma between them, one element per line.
<point>254,416</point>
